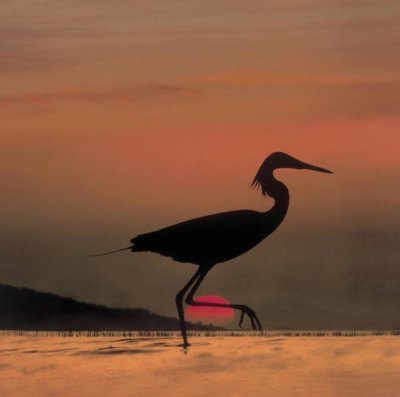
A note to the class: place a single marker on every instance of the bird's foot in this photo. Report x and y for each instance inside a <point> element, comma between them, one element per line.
<point>255,322</point>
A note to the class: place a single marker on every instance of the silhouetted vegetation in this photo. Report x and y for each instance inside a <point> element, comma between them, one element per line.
<point>200,333</point>
<point>26,309</point>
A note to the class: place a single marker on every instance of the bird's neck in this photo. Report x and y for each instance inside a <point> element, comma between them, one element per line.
<point>280,193</point>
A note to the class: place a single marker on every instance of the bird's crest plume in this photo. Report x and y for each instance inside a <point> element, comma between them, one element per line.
<point>260,182</point>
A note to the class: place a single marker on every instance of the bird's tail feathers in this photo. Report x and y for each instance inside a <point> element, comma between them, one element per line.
<point>113,252</point>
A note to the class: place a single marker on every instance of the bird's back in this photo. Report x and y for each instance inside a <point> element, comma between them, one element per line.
<point>207,240</point>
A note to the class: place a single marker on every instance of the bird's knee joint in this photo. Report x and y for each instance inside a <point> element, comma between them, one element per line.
<point>179,298</point>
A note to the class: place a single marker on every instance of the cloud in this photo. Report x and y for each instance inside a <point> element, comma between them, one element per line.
<point>265,78</point>
<point>331,94</point>
<point>115,94</point>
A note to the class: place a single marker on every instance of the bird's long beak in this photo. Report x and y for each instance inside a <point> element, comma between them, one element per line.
<point>315,168</point>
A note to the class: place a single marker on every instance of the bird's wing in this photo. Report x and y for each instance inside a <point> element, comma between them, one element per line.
<point>213,238</point>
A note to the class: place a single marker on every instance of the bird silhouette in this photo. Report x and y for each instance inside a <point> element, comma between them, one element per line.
<point>212,239</point>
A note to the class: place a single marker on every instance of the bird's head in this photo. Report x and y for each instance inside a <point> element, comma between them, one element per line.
<point>281,160</point>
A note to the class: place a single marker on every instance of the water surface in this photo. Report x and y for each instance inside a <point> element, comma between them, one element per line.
<point>132,364</point>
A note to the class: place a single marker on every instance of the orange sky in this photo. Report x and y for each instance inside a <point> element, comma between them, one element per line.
<point>125,117</point>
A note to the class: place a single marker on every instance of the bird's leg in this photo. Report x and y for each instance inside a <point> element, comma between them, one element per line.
<point>179,305</point>
<point>255,322</point>
<point>241,319</point>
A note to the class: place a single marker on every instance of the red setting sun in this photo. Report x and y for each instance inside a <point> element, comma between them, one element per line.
<point>214,315</point>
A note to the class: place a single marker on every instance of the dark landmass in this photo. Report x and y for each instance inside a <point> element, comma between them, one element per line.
<point>26,309</point>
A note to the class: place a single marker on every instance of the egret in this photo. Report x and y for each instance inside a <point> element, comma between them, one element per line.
<point>212,239</point>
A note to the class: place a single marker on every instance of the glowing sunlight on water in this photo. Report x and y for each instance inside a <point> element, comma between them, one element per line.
<point>269,365</point>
